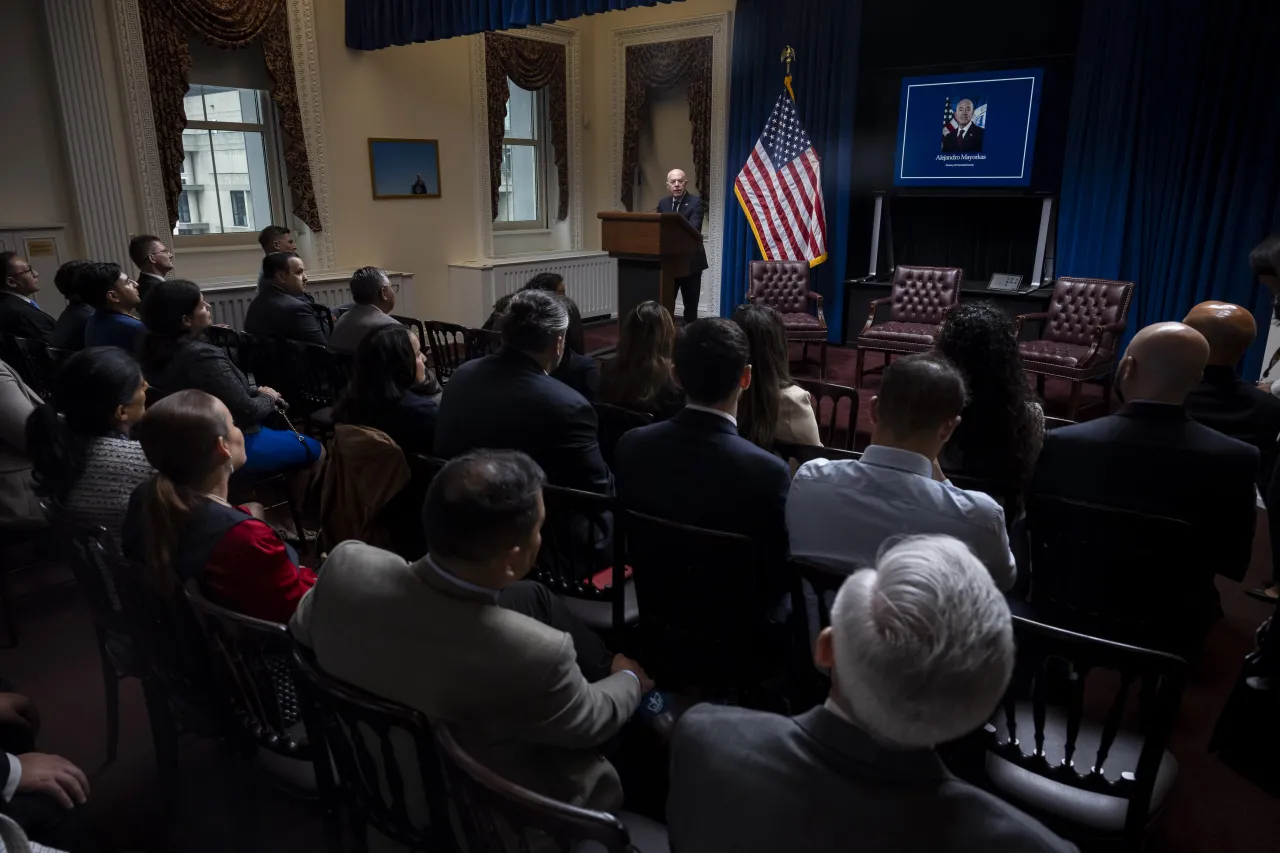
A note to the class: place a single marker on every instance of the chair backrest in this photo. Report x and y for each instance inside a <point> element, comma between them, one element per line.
<point>228,340</point>
<point>994,488</point>
<point>782,285</point>
<point>826,582</point>
<point>341,367</point>
<point>416,325</point>
<point>498,816</point>
<point>258,359</point>
<point>923,294</point>
<point>1042,651</point>
<point>449,347</point>
<point>306,376</point>
<point>31,359</point>
<point>1127,576</point>
<point>370,742</point>
<point>1080,305</point>
<point>92,575</point>
<point>614,422</point>
<point>567,560</point>
<point>482,342</point>
<point>803,453</point>
<point>1055,423</point>
<point>834,430</point>
<point>59,355</point>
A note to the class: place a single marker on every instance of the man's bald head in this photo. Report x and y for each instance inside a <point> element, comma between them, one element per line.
<point>1163,363</point>
<point>1229,329</point>
<point>676,182</point>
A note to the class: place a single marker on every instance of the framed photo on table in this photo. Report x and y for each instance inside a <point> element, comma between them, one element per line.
<point>404,168</point>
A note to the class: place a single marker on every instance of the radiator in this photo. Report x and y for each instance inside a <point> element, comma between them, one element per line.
<point>590,278</point>
<point>229,302</point>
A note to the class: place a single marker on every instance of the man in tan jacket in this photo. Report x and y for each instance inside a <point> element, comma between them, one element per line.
<point>431,635</point>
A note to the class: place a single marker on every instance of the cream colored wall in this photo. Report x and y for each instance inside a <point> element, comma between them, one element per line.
<point>666,143</point>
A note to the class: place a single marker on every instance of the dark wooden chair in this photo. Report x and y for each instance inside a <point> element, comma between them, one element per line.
<point>798,454</point>
<point>568,561</point>
<point>1080,336</point>
<point>917,303</point>
<point>227,339</point>
<point>829,395</point>
<point>1087,776</point>
<point>307,377</point>
<point>1127,576</point>
<point>259,362</point>
<point>450,347</point>
<point>59,355</point>
<point>1056,423</point>
<point>498,816</point>
<point>784,287</point>
<point>813,590</point>
<point>416,325</point>
<point>482,342</point>
<point>1006,496</point>
<point>614,422</point>
<point>370,753</point>
<point>30,358</point>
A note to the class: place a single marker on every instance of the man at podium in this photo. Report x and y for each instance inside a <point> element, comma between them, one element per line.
<point>690,207</point>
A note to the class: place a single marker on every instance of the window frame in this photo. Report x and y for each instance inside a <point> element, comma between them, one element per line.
<point>273,155</point>
<point>542,158</point>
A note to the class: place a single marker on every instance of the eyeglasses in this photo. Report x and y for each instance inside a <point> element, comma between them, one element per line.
<point>395,288</point>
<point>24,272</point>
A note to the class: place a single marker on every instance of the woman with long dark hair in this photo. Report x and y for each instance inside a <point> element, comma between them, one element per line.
<point>389,390</point>
<point>182,526</point>
<point>79,441</point>
<point>1002,427</point>
<point>774,408</point>
<point>638,377</point>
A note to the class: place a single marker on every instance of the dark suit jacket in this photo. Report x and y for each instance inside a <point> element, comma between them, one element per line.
<point>146,281</point>
<point>747,781</point>
<point>972,140</point>
<point>276,314</point>
<point>68,332</point>
<point>696,469</point>
<point>1225,402</point>
<point>506,402</point>
<point>691,209</point>
<point>1153,458</point>
<point>579,372</point>
<point>20,318</point>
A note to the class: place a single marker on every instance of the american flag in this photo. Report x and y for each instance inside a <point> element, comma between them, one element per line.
<point>780,190</point>
<point>948,118</point>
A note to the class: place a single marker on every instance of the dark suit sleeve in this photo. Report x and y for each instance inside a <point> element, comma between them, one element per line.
<point>307,326</point>
<point>1233,537</point>
<point>584,466</point>
<point>695,214</point>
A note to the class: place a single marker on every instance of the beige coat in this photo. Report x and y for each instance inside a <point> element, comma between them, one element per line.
<point>19,506</point>
<point>508,685</point>
<point>797,423</point>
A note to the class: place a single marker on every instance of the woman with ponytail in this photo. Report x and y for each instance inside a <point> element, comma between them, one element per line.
<point>181,525</point>
<point>79,441</point>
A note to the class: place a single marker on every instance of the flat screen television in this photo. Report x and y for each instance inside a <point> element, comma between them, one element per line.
<point>968,130</point>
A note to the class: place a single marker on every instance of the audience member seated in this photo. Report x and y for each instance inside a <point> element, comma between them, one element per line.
<point>638,377</point>
<point>1223,400</point>
<point>392,391</point>
<point>68,331</point>
<point>841,513</point>
<point>281,309</point>
<point>375,299</point>
<point>536,698</point>
<point>19,506</point>
<point>695,468</point>
<point>1002,427</point>
<point>20,315</point>
<point>79,441</point>
<point>182,527</point>
<point>774,408</point>
<point>549,282</point>
<point>1152,457</point>
<point>580,372</point>
<point>43,794</point>
<point>508,400</point>
<point>920,650</point>
<point>175,357</point>
<point>153,259</point>
<point>114,299</point>
<point>274,238</point>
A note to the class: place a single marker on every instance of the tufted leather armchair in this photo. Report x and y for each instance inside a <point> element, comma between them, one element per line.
<point>1080,335</point>
<point>920,297</point>
<point>784,287</point>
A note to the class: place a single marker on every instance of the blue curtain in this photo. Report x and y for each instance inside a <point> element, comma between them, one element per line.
<point>825,36</point>
<point>374,24</point>
<point>1173,153</point>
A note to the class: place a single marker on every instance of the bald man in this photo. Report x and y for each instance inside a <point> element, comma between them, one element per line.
<point>690,207</point>
<point>966,136</point>
<point>1152,457</point>
<point>1223,400</point>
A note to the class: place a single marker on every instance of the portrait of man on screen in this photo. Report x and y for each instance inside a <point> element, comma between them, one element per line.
<point>961,132</point>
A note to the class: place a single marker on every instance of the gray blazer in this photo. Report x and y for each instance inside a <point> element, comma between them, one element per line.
<point>355,325</point>
<point>745,781</point>
<point>18,504</point>
<point>509,685</point>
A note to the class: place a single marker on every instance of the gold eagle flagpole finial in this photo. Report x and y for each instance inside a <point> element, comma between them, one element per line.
<point>789,56</point>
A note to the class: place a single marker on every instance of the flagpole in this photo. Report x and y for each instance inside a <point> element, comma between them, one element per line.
<point>788,56</point>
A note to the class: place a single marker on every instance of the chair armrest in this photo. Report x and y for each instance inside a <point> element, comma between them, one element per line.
<point>871,311</point>
<point>817,297</point>
<point>1109,328</point>
<point>1099,334</point>
<point>1038,317</point>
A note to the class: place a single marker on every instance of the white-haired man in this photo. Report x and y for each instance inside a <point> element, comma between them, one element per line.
<point>920,651</point>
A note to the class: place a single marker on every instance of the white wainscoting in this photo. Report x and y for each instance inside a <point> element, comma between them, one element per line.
<point>229,298</point>
<point>590,278</point>
<point>45,248</point>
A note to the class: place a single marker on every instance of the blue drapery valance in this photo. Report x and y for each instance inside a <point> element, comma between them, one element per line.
<point>1172,170</point>
<point>374,24</point>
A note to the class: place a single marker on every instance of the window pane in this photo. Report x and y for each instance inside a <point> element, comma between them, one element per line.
<point>521,113</point>
<point>224,182</point>
<point>518,191</point>
<point>220,103</point>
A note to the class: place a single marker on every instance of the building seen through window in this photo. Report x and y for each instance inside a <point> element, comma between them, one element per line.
<point>521,190</point>
<point>225,186</point>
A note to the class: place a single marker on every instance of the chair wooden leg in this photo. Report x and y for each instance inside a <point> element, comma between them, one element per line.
<point>857,369</point>
<point>822,360</point>
<point>164,737</point>
<point>111,690</point>
<point>1074,406</point>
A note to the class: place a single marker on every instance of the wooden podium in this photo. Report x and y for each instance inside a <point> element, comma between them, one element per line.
<point>653,250</point>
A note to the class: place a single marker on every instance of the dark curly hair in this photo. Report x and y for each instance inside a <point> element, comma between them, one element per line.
<point>998,430</point>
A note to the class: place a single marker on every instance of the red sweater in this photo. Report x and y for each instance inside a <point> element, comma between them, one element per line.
<point>252,572</point>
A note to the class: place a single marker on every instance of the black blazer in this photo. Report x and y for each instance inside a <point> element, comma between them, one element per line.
<point>276,314</point>
<point>506,402</point>
<point>696,469</point>
<point>68,332</point>
<point>146,281</point>
<point>20,318</point>
<point>1225,402</point>
<point>579,372</point>
<point>1153,458</point>
<point>972,140</point>
<point>690,207</point>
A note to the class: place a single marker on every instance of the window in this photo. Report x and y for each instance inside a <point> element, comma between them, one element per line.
<point>521,192</point>
<point>229,162</point>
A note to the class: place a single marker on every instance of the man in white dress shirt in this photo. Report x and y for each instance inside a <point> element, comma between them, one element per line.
<point>842,513</point>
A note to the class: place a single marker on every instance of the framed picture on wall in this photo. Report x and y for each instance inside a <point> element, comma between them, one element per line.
<point>404,168</point>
